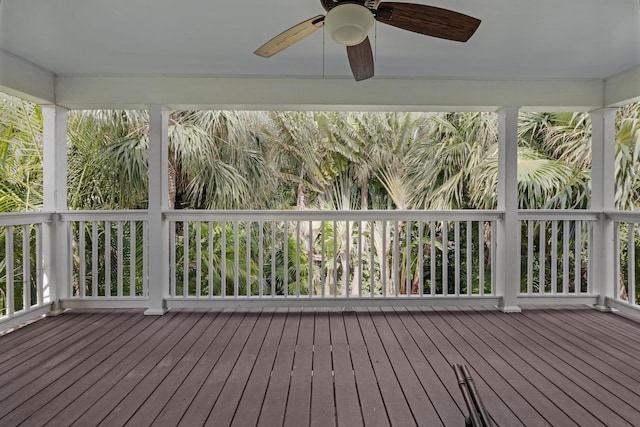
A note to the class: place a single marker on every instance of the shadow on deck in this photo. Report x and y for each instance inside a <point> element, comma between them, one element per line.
<point>560,367</point>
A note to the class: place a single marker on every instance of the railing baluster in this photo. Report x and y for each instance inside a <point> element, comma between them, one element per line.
<point>481,245</point>
<point>260,258</point>
<point>383,258</point>
<point>445,258</point>
<point>81,248</point>
<point>26,267</point>
<point>298,241</point>
<point>198,244</point>
<point>631,262</point>
<point>554,257</point>
<point>120,259</point>
<point>335,260</point>
<point>345,268</point>
<point>395,275</point>
<point>407,264</point>
<point>372,265</point>
<point>172,259</point>
<point>248,257</point>
<point>565,257</point>
<point>223,259</point>
<point>469,258</point>
<point>530,230</point>
<point>210,258</point>
<point>94,259</point>
<point>310,260</point>
<point>273,258</point>
<point>107,258</point>
<point>132,258</point>
<point>145,259</point>
<point>185,258</point>
<point>542,286</point>
<point>420,254</point>
<point>616,258</point>
<point>285,266</point>
<point>631,291</point>
<point>433,265</point>
<point>360,242</point>
<point>456,239</point>
<point>323,273</point>
<point>40,266</point>
<point>236,260</point>
<point>577,276</point>
<point>493,257</point>
<point>9,267</point>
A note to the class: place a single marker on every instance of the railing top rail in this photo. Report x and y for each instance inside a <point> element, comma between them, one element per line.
<point>344,215</point>
<point>558,214</point>
<point>626,216</point>
<point>23,218</point>
<point>99,215</point>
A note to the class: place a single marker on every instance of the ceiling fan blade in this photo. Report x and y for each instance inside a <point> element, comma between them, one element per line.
<point>361,60</point>
<point>290,37</point>
<point>428,20</point>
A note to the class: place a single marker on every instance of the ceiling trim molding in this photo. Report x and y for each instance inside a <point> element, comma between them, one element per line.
<point>622,88</point>
<point>80,92</point>
<point>26,80</point>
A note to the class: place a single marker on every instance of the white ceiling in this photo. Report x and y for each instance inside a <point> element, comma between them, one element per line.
<point>518,39</point>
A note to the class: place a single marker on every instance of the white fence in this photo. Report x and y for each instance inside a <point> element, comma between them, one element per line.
<point>23,288</point>
<point>331,255</point>
<point>556,253</point>
<point>108,256</point>
<point>626,278</point>
<point>344,258</point>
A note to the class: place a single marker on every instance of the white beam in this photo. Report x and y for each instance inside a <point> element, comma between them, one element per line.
<point>622,88</point>
<point>158,202</point>
<point>603,134</point>
<point>327,94</point>
<point>55,236</point>
<point>508,244</point>
<point>26,80</point>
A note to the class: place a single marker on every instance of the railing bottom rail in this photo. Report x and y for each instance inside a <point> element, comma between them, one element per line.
<point>333,302</point>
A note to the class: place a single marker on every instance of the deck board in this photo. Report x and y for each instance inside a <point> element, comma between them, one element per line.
<point>578,379</point>
<point>323,406</point>
<point>274,404</point>
<point>322,367</point>
<point>248,410</point>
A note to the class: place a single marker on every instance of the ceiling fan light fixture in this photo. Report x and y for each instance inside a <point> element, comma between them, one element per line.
<point>349,24</point>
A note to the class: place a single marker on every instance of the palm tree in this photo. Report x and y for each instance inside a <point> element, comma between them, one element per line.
<point>218,160</point>
<point>20,155</point>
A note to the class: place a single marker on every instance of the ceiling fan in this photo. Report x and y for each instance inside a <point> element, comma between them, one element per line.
<point>350,21</point>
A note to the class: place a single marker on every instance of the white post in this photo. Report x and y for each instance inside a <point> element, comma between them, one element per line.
<point>601,259</point>
<point>55,237</point>
<point>508,247</point>
<point>158,202</point>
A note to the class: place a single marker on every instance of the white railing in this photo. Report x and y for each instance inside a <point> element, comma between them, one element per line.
<point>313,257</point>
<point>330,255</point>
<point>108,256</point>
<point>626,257</point>
<point>23,290</point>
<point>556,252</point>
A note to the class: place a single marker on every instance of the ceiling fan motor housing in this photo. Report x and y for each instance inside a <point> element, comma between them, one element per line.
<point>349,23</point>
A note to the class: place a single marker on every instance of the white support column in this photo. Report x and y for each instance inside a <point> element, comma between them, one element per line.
<point>158,250</point>
<point>601,258</point>
<point>508,247</point>
<point>55,236</point>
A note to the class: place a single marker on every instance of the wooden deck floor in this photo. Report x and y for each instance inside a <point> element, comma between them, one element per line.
<point>295,367</point>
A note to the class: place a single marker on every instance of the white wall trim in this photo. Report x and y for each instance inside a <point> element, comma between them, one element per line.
<point>26,80</point>
<point>245,93</point>
<point>622,88</point>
